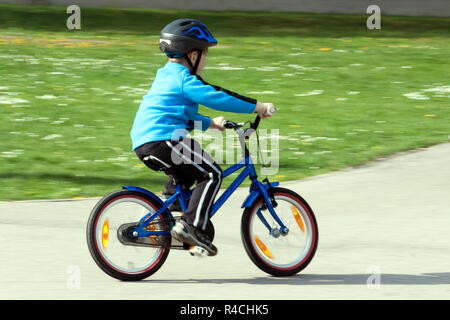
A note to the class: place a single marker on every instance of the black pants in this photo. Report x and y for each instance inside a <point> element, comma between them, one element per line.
<point>190,163</point>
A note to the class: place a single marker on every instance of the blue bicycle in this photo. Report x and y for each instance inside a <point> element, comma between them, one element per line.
<point>128,231</point>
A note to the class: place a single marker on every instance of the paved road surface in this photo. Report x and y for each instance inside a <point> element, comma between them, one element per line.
<point>390,217</point>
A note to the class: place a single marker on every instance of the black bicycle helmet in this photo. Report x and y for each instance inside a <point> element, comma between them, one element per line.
<point>182,36</point>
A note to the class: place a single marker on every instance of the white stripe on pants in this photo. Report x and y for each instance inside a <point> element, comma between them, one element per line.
<point>204,165</point>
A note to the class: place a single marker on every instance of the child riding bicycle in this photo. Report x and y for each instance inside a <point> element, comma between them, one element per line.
<point>168,112</point>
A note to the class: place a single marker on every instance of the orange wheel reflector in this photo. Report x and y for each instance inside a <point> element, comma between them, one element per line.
<point>105,233</point>
<point>298,218</point>
<point>263,248</point>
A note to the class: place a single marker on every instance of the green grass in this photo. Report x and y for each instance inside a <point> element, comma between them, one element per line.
<point>68,98</point>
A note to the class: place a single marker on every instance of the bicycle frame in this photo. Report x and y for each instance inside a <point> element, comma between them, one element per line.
<point>248,171</point>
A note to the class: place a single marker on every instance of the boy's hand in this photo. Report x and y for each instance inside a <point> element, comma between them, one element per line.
<point>261,109</point>
<point>216,123</point>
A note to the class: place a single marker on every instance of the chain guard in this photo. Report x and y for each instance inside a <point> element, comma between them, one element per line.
<point>124,231</point>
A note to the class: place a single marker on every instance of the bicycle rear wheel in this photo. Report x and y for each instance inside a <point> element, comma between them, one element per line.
<point>107,227</point>
<point>275,253</point>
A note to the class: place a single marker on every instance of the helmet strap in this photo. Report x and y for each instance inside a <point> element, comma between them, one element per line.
<point>197,61</point>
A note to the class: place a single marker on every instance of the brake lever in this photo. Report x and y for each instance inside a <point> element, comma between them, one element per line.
<point>228,124</point>
<point>232,125</point>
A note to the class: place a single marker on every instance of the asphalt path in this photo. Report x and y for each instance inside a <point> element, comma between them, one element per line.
<point>384,234</point>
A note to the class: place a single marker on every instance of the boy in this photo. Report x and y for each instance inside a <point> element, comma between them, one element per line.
<point>170,108</point>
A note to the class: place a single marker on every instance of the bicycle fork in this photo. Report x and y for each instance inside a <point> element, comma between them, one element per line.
<point>270,204</point>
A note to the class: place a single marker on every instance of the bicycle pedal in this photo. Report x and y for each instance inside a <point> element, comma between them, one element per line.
<point>198,252</point>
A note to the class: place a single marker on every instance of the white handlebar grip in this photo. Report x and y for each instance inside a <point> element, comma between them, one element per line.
<point>270,111</point>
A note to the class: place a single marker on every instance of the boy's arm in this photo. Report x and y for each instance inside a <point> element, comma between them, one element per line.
<point>215,97</point>
<point>206,121</point>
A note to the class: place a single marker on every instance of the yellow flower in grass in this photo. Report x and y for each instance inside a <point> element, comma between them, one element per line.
<point>429,115</point>
<point>325,49</point>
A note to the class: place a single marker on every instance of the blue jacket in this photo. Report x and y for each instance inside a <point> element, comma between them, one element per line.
<point>170,107</point>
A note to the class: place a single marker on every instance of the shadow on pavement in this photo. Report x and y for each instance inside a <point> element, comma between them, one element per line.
<point>328,279</point>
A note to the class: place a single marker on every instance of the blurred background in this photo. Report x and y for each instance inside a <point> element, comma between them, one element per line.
<point>346,94</point>
<point>390,7</point>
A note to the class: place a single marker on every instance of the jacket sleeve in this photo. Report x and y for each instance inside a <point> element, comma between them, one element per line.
<point>206,121</point>
<point>215,97</point>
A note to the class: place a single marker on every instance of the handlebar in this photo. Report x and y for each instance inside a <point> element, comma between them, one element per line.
<point>253,125</point>
<point>227,124</point>
<point>270,111</point>
<point>245,133</point>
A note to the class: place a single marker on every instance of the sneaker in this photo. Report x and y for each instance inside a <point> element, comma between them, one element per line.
<point>198,252</point>
<point>186,233</point>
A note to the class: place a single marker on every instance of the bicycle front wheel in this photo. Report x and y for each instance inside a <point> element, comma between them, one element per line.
<point>274,252</point>
<point>110,222</point>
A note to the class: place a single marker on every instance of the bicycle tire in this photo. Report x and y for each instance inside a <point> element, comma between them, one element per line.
<point>255,254</point>
<point>94,246</point>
